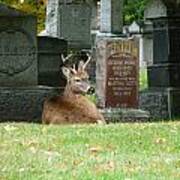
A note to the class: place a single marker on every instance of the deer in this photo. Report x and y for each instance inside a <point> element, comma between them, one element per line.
<point>73,107</point>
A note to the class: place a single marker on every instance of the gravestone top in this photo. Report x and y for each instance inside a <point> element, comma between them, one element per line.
<point>18,48</point>
<point>9,11</point>
<point>162,8</point>
<point>70,21</point>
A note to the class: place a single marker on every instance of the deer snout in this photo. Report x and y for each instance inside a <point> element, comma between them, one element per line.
<point>91,90</point>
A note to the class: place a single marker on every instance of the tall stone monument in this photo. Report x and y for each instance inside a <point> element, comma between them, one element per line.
<point>163,97</point>
<point>111,16</point>
<point>117,62</point>
<point>71,20</point>
<point>18,48</point>
<point>20,96</point>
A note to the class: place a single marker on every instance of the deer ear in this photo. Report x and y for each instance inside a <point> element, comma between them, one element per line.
<point>66,71</point>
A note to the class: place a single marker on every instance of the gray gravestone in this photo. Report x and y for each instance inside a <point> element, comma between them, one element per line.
<point>164,73</point>
<point>20,97</point>
<point>70,20</point>
<point>49,61</point>
<point>111,16</point>
<point>117,67</point>
<point>18,48</point>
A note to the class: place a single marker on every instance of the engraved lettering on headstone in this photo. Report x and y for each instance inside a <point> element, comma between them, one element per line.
<point>122,74</point>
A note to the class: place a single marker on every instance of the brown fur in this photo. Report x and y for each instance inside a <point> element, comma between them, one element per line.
<point>63,110</point>
<point>71,107</point>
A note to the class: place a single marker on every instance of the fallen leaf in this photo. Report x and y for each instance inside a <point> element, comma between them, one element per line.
<point>95,149</point>
<point>160,141</point>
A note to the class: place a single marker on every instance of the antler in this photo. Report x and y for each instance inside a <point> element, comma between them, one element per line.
<point>65,58</point>
<point>88,60</point>
<point>73,69</point>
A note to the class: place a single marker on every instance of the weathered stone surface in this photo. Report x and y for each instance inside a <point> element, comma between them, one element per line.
<point>49,61</point>
<point>162,99</point>
<point>117,72</point>
<point>111,16</point>
<point>162,8</point>
<point>52,18</point>
<point>24,104</point>
<point>75,24</point>
<point>148,48</point>
<point>70,21</point>
<point>164,75</point>
<point>18,48</point>
<point>161,103</point>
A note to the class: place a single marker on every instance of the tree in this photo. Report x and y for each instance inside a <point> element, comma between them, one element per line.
<point>133,10</point>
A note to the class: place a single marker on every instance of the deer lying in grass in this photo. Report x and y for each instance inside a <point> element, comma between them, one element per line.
<point>72,106</point>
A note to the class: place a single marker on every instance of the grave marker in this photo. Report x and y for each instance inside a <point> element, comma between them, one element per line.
<point>122,74</point>
<point>117,72</point>
<point>70,20</point>
<point>18,48</point>
<point>162,97</point>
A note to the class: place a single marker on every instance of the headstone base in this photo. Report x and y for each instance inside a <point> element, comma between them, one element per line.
<point>115,115</point>
<point>25,103</point>
<point>161,103</point>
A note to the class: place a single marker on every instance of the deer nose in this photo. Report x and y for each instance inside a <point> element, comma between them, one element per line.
<point>91,90</point>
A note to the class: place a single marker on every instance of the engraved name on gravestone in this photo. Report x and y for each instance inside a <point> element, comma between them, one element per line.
<point>122,74</point>
<point>18,59</point>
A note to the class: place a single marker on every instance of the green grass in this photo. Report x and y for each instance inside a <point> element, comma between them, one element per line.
<point>90,152</point>
<point>143,82</point>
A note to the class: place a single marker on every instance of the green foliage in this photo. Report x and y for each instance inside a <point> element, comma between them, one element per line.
<point>92,98</point>
<point>133,10</point>
<point>112,152</point>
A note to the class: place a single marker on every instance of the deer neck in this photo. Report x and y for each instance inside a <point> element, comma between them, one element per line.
<point>68,93</point>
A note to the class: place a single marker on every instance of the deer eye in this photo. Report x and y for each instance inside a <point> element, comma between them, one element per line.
<point>77,80</point>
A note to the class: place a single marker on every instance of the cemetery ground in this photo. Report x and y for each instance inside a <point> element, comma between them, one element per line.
<point>103,152</point>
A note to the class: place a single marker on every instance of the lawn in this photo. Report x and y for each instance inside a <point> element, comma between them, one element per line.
<point>146,151</point>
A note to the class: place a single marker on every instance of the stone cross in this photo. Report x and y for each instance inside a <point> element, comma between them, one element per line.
<point>111,16</point>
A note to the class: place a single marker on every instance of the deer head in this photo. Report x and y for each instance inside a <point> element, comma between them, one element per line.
<point>78,80</point>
